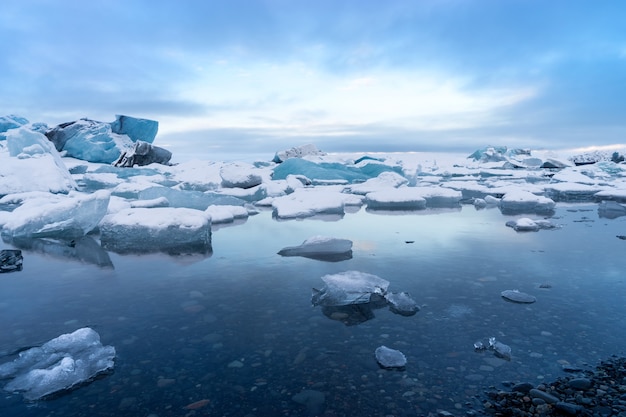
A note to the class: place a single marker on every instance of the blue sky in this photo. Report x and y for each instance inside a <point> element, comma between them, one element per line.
<point>264,75</point>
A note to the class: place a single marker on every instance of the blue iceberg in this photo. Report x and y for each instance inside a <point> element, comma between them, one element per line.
<point>95,141</point>
<point>331,171</point>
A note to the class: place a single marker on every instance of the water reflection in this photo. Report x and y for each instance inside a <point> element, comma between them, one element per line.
<point>84,249</point>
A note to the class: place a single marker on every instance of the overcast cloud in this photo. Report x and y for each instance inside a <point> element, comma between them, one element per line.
<point>366,75</point>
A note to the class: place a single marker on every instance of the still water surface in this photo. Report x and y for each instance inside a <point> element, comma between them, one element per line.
<point>237,327</point>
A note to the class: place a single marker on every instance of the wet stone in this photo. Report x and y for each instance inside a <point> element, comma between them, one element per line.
<point>11,260</point>
<point>550,399</point>
<point>523,387</point>
<point>580,383</point>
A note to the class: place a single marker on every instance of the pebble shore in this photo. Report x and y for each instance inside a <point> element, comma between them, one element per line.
<point>600,392</point>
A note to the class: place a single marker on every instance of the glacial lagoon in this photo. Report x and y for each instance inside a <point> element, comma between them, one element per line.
<point>234,333</point>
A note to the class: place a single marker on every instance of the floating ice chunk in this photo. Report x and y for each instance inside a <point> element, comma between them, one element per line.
<point>322,248</point>
<point>297,152</point>
<point>11,260</point>
<point>307,202</point>
<point>404,198</point>
<point>402,303</point>
<point>525,224</point>
<point>500,349</point>
<point>167,229</point>
<point>61,364</point>
<point>226,213</point>
<point>520,201</point>
<point>572,192</point>
<point>612,194</point>
<point>384,181</point>
<point>518,297</point>
<point>390,358</point>
<point>351,287</point>
<point>440,196</point>
<point>241,175</point>
<point>32,164</point>
<point>57,216</point>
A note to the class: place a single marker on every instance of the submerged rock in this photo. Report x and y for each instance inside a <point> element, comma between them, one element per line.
<point>11,260</point>
<point>390,358</point>
<point>313,400</point>
<point>518,297</point>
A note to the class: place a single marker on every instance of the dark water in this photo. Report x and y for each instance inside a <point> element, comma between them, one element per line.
<point>238,329</point>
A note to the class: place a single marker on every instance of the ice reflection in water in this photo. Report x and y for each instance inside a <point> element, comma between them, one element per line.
<point>238,330</point>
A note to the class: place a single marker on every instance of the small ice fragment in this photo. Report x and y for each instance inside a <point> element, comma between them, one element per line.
<point>401,303</point>
<point>518,297</point>
<point>390,358</point>
<point>350,287</point>
<point>479,346</point>
<point>500,349</point>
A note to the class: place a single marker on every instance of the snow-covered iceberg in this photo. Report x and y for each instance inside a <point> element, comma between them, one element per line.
<point>60,364</point>
<point>95,141</point>
<point>165,229</point>
<point>56,216</point>
<point>307,202</point>
<point>403,198</point>
<point>521,201</point>
<point>29,162</point>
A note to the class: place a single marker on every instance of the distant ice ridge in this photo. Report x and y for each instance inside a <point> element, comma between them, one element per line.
<point>306,183</point>
<point>62,363</point>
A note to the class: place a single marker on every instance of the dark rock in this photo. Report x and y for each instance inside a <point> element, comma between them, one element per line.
<point>549,398</point>
<point>143,154</point>
<point>522,387</point>
<point>580,383</point>
<point>568,408</point>
<point>11,260</point>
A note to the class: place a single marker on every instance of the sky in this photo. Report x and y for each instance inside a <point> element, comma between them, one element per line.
<point>347,75</point>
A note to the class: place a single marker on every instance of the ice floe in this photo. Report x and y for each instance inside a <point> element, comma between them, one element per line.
<point>60,364</point>
<point>322,248</point>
